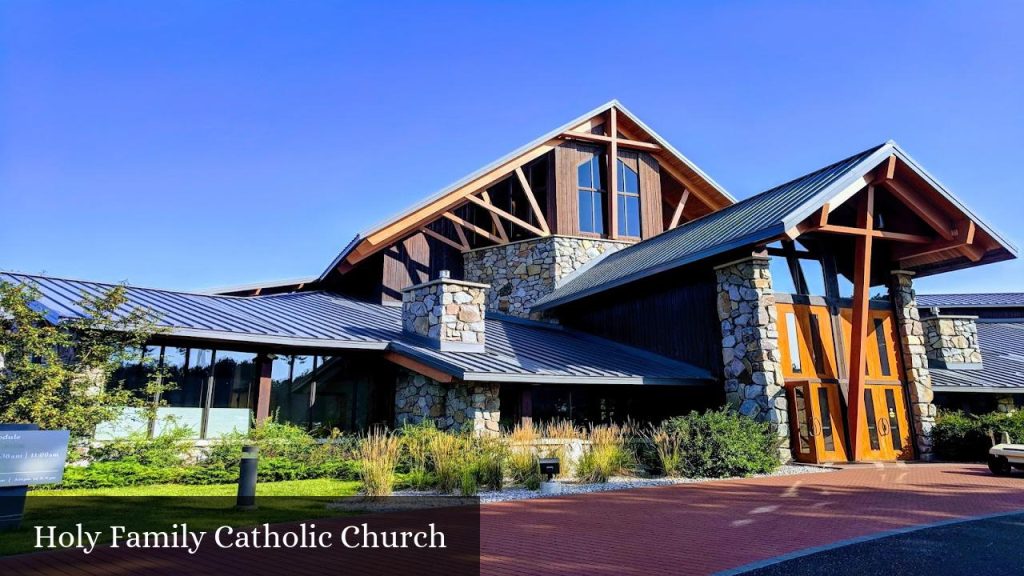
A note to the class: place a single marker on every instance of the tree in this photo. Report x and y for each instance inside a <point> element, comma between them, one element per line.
<point>58,374</point>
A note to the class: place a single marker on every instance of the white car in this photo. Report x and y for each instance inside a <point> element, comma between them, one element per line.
<point>1003,457</point>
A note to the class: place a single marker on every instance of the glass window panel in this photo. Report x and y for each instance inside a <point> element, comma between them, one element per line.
<point>814,275</point>
<point>633,209</point>
<point>302,389</point>
<point>782,280</point>
<point>869,412</point>
<point>629,180</point>
<point>584,176</point>
<point>794,343</point>
<point>598,201</point>
<point>280,389</point>
<point>184,386</point>
<point>817,346</point>
<point>883,349</point>
<point>894,421</point>
<point>586,211</point>
<point>826,419</point>
<point>233,378</point>
<point>803,433</point>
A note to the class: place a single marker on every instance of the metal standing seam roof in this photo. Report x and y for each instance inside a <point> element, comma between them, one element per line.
<point>521,150</point>
<point>756,219</point>
<point>1002,356</point>
<point>981,300</point>
<point>516,350</point>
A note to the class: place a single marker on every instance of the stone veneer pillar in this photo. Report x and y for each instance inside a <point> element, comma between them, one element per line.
<point>750,342</point>
<point>951,341</point>
<point>448,314</point>
<point>450,406</point>
<point>521,273</point>
<point>1005,403</point>
<point>915,359</point>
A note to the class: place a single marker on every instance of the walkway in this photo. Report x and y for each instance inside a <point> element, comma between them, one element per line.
<point>714,526</point>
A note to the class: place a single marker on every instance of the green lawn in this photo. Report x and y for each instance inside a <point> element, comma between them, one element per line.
<point>318,487</point>
<point>158,507</point>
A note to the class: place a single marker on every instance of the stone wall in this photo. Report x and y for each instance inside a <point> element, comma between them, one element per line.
<point>449,313</point>
<point>1006,403</point>
<point>520,273</point>
<point>449,406</point>
<point>912,342</point>
<point>951,340</point>
<point>750,342</point>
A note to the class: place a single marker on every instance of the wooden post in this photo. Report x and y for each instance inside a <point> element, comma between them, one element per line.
<point>859,327</point>
<point>526,406</point>
<point>264,373</point>
<point>613,181</point>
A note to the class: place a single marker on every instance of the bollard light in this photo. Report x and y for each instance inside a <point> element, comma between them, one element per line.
<point>247,478</point>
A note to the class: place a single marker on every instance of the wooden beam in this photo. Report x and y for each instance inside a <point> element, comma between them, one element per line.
<point>859,324</point>
<point>921,206</point>
<point>494,217</point>
<point>888,170</point>
<point>823,215</point>
<point>419,367</point>
<point>445,239</point>
<point>965,230</point>
<point>496,212</point>
<point>473,227</point>
<point>423,215</point>
<point>264,383</point>
<point>537,213</point>
<point>688,184</point>
<point>613,180</point>
<point>880,234</point>
<point>679,209</point>
<point>601,139</point>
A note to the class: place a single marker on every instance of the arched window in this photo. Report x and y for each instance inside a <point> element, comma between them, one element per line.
<point>628,200</point>
<point>591,195</point>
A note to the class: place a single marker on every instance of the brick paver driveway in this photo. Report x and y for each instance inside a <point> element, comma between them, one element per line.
<point>683,529</point>
<point>713,526</point>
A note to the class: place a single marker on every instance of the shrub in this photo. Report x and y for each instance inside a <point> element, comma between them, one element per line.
<point>965,437</point>
<point>280,469</point>
<point>378,457</point>
<point>722,443</point>
<point>607,455</point>
<point>117,474</point>
<point>207,475</point>
<point>169,449</point>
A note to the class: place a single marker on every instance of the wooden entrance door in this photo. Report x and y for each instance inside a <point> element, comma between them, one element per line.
<point>816,422</point>
<point>815,384</point>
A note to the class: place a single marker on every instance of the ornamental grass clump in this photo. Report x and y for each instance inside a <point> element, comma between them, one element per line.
<point>416,440</point>
<point>608,454</point>
<point>667,446</point>
<point>524,467</point>
<point>448,457</point>
<point>378,457</point>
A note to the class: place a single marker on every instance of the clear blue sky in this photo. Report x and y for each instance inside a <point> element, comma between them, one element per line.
<point>196,144</point>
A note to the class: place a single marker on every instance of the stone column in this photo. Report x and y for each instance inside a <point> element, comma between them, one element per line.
<point>1005,404</point>
<point>915,359</point>
<point>449,406</point>
<point>750,342</point>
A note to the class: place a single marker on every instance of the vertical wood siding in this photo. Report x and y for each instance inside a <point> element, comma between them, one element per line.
<point>673,314</point>
<point>568,156</point>
<point>414,260</point>
<point>651,221</point>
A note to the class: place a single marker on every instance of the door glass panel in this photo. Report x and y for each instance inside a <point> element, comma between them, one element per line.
<point>869,412</point>
<point>794,343</point>
<point>826,419</point>
<point>883,350</point>
<point>817,348</point>
<point>894,421</point>
<point>803,434</point>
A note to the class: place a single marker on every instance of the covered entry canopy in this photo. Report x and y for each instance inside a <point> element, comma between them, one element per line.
<point>320,322</point>
<point>944,233</point>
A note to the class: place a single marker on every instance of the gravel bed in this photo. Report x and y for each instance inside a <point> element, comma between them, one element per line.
<point>615,483</point>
